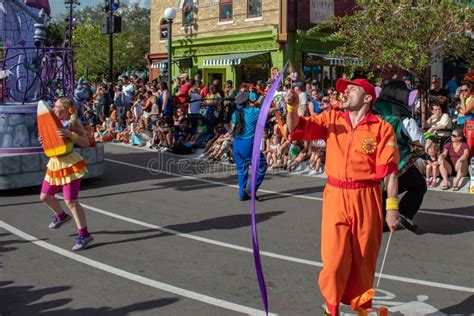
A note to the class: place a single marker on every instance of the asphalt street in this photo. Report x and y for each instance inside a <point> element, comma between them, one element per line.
<point>172,238</point>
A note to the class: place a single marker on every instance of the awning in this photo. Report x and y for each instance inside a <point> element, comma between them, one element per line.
<point>163,64</point>
<point>336,61</point>
<point>237,59</point>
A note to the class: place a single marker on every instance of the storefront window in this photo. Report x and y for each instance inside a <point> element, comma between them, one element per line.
<point>254,8</point>
<point>253,73</point>
<point>163,30</point>
<point>225,10</point>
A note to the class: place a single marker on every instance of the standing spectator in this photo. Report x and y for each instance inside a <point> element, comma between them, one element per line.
<point>469,76</point>
<point>229,93</point>
<point>217,83</point>
<point>103,101</point>
<point>454,160</point>
<point>211,102</point>
<point>203,88</point>
<point>194,107</point>
<point>438,94</point>
<point>119,101</point>
<point>128,92</point>
<point>451,87</point>
<point>298,87</point>
<point>182,96</point>
<point>165,100</point>
<point>466,106</point>
<point>137,107</point>
<point>147,107</point>
<point>315,86</point>
<point>314,105</point>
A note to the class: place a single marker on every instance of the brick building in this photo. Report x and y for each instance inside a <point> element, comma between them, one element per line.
<point>241,40</point>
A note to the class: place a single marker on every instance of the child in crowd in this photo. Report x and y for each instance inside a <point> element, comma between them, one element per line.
<point>317,155</point>
<point>432,165</point>
<point>302,155</point>
<point>273,151</point>
<point>136,138</point>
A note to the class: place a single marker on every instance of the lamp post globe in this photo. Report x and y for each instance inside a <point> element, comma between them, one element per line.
<point>170,15</point>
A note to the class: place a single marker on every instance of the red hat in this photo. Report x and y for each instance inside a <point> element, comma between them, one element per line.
<point>342,84</point>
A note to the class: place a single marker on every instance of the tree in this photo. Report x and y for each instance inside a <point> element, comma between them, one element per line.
<point>91,48</point>
<point>410,35</point>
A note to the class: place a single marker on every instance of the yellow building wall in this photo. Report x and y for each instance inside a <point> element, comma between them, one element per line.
<point>207,21</point>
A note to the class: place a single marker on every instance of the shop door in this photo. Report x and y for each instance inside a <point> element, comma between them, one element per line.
<point>216,74</point>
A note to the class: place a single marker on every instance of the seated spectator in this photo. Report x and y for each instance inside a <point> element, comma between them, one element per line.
<point>221,147</point>
<point>202,133</point>
<point>432,165</point>
<point>302,155</point>
<point>136,138</point>
<point>317,156</point>
<point>439,122</point>
<point>178,117</point>
<point>454,160</point>
<point>325,103</point>
<point>220,130</point>
<point>182,134</point>
<point>273,151</point>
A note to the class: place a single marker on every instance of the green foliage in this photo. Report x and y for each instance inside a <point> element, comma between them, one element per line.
<point>407,34</point>
<point>92,48</point>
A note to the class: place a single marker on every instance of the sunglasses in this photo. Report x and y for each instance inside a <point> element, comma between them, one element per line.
<point>454,135</point>
<point>464,90</point>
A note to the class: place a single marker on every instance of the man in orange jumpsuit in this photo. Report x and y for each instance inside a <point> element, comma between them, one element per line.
<point>361,153</point>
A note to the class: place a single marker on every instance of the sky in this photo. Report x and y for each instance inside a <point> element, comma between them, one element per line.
<point>58,7</point>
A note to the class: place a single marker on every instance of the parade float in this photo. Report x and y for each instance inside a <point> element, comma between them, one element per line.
<point>30,72</point>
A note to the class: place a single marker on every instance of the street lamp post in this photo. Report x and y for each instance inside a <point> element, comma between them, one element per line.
<point>170,15</point>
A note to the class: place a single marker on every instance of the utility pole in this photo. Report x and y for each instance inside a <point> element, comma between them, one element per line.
<point>70,19</point>
<point>111,24</point>
<point>111,42</point>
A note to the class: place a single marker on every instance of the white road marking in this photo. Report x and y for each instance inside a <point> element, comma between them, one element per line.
<point>133,277</point>
<point>446,214</point>
<point>212,182</point>
<point>298,196</point>
<point>266,253</point>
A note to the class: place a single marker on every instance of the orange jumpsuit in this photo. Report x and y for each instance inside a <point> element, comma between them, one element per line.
<point>357,160</point>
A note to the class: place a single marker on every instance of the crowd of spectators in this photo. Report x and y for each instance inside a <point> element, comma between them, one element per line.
<point>193,115</point>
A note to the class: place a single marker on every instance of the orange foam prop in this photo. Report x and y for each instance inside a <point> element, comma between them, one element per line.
<point>48,126</point>
<point>280,122</point>
<point>364,298</point>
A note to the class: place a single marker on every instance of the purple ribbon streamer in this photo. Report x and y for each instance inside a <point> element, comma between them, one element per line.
<point>262,118</point>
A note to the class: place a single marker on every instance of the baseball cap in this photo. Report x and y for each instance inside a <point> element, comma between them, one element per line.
<point>315,82</point>
<point>342,84</point>
<point>298,84</point>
